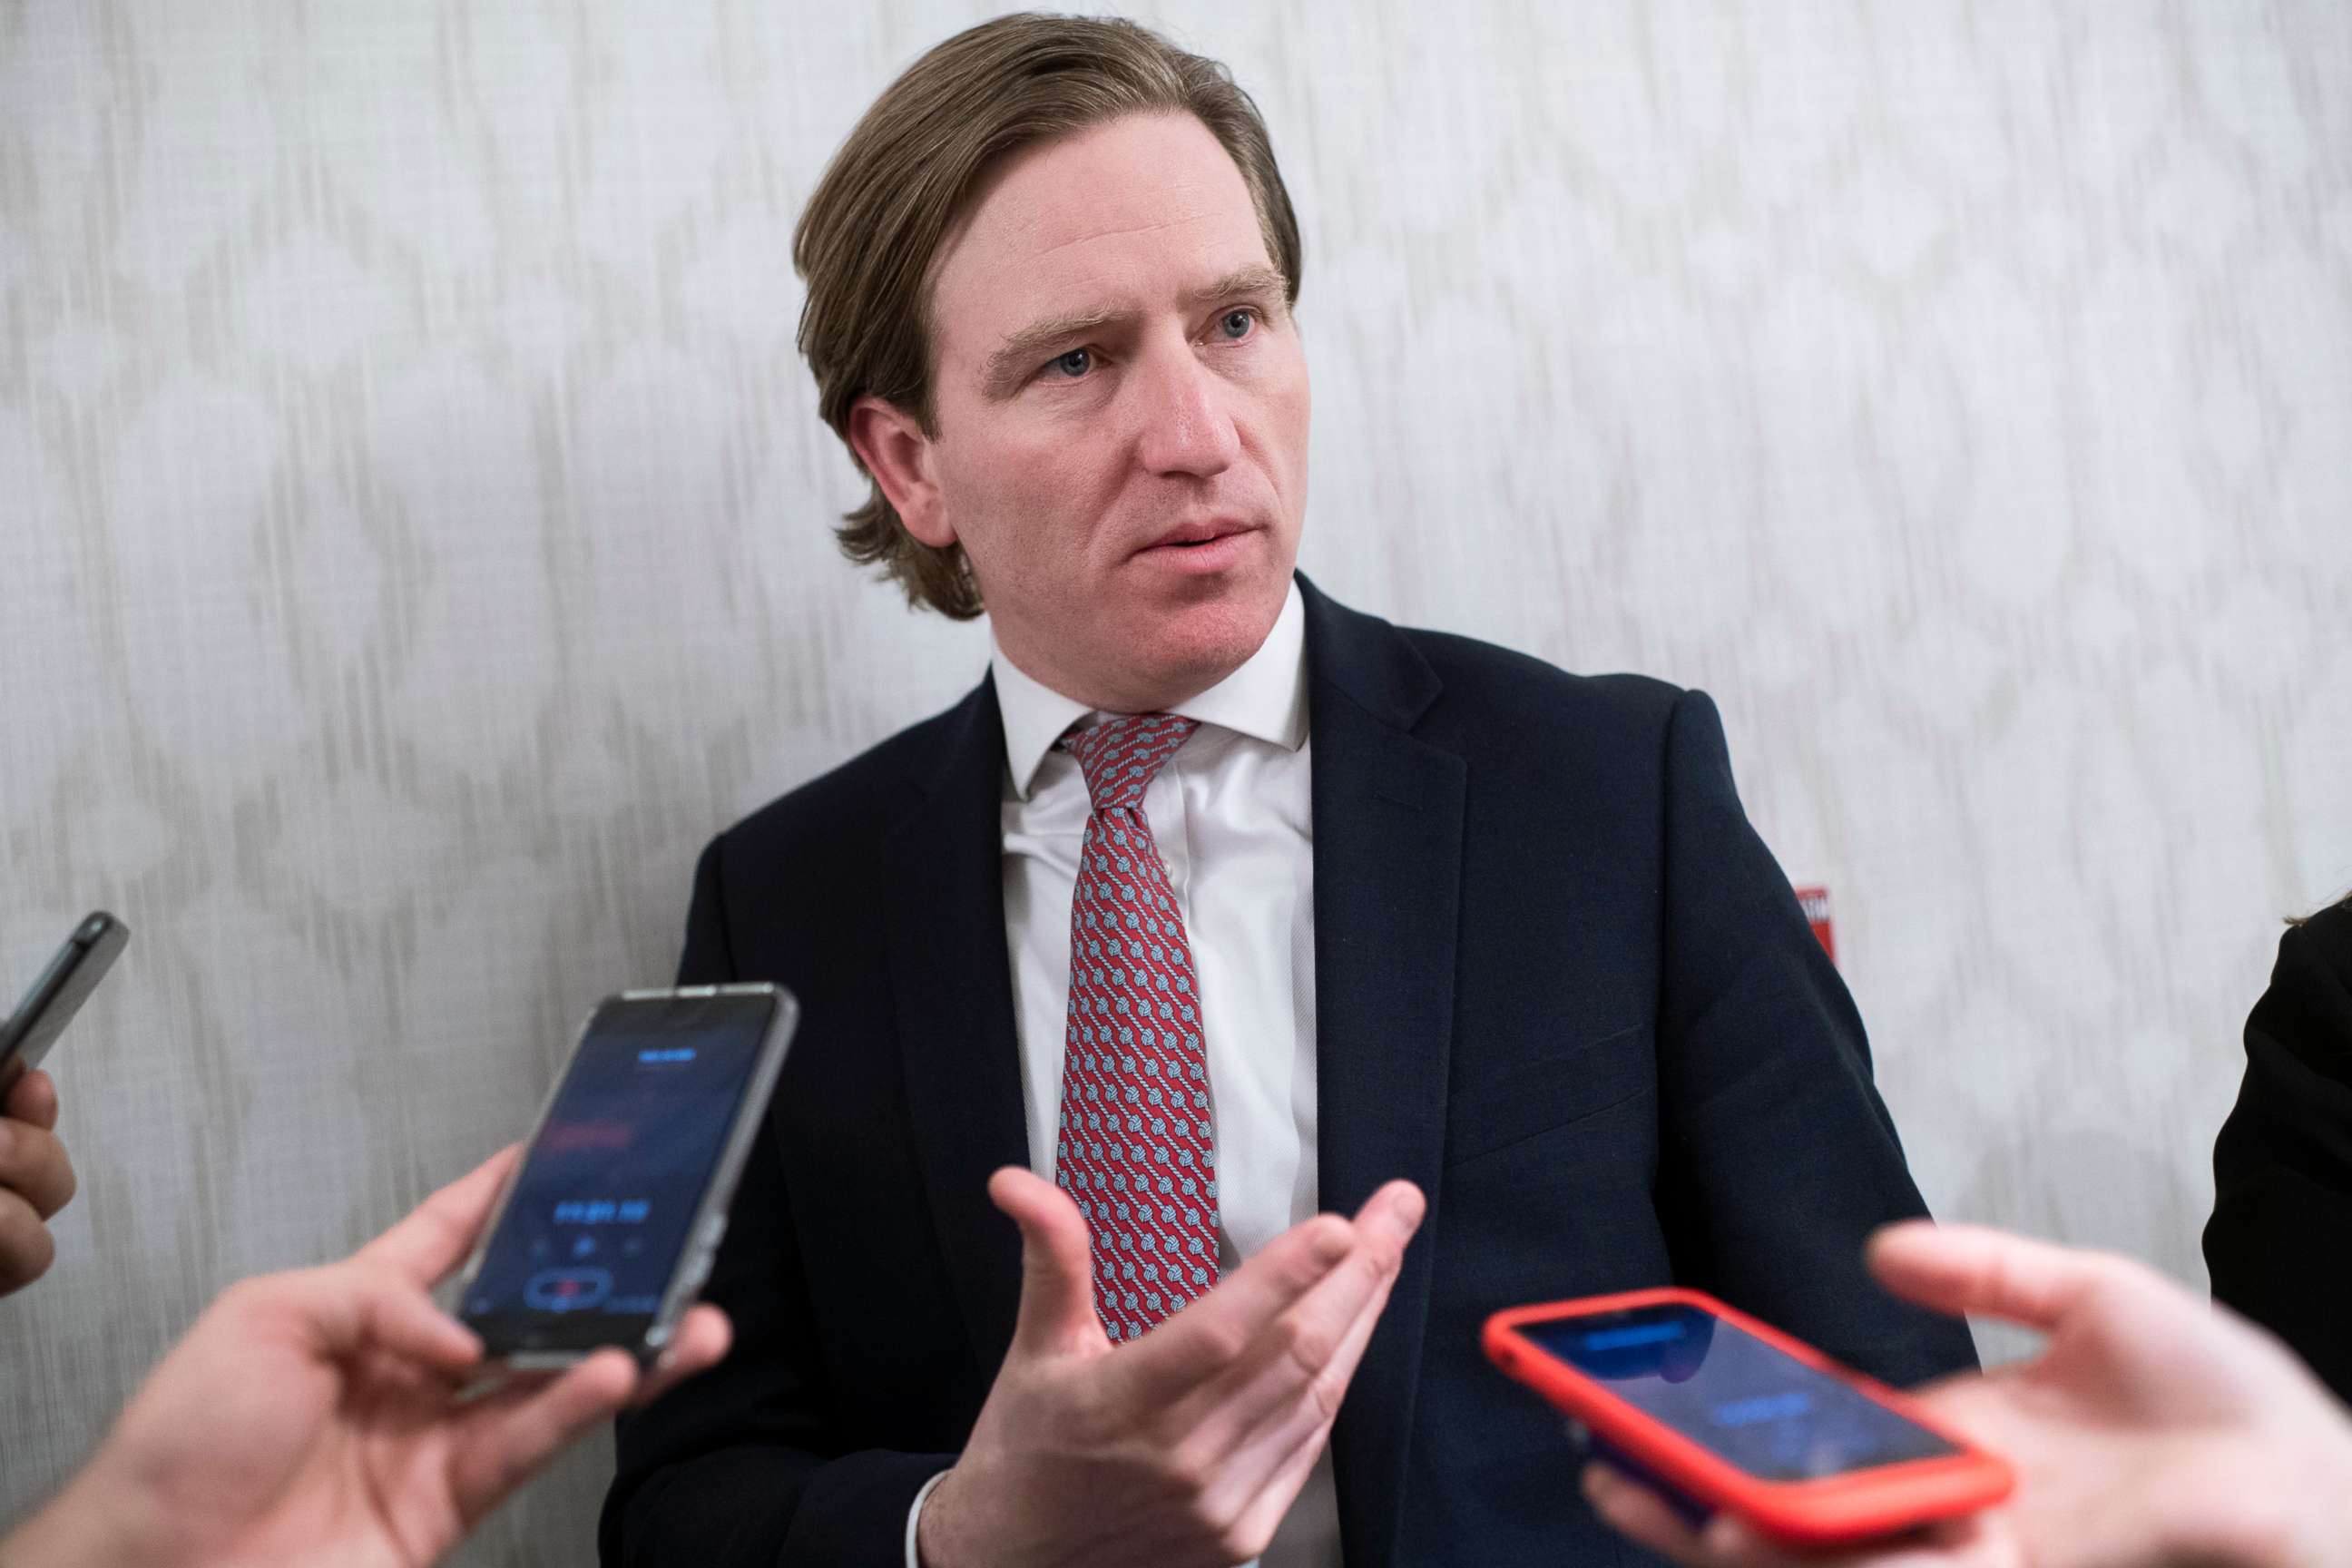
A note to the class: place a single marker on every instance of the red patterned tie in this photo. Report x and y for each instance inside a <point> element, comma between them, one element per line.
<point>1135,1148</point>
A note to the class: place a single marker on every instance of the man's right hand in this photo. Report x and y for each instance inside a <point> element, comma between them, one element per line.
<point>1187,1446</point>
<point>36,1180</point>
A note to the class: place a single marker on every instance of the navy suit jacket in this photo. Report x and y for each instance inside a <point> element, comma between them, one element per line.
<point>1559,983</point>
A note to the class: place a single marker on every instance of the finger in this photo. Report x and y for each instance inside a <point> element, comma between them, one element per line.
<point>1217,1331</point>
<point>507,1438</point>
<point>27,1248</point>
<point>34,1099</point>
<point>1266,1511</point>
<point>1057,1296</point>
<point>1281,1418</point>
<point>1299,1369</point>
<point>363,1307</point>
<point>1643,1517</point>
<point>1727,1539</point>
<point>1226,1334</point>
<point>1732,1543</point>
<point>1284,1446</point>
<point>439,1233</point>
<point>1960,1268</point>
<point>405,1319</point>
<point>701,1343</point>
<point>33,1164</point>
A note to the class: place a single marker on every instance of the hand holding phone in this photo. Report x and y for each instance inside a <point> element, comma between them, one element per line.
<point>609,1227</point>
<point>36,1179</point>
<point>1719,1412</point>
<point>2152,1427</point>
<point>311,1418</point>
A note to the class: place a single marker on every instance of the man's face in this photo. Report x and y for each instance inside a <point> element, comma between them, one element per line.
<point>1121,413</point>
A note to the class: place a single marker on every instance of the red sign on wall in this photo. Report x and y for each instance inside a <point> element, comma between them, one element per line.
<point>1815,902</point>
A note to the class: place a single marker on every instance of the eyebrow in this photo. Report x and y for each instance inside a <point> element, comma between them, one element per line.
<point>1008,368</point>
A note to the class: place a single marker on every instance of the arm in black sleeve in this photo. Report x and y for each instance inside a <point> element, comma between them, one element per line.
<point>1777,1157</point>
<point>2280,1242</point>
<point>743,1466</point>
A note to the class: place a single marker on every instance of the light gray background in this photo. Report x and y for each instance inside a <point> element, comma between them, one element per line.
<point>416,538</point>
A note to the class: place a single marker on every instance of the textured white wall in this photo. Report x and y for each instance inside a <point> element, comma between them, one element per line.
<point>415,543</point>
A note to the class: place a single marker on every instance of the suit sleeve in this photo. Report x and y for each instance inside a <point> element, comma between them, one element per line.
<point>2280,1242</point>
<point>745,1465</point>
<point>1777,1157</point>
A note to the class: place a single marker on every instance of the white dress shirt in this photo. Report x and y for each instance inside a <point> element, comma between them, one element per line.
<point>1230,812</point>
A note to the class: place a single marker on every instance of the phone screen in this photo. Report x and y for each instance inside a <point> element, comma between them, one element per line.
<point>1740,1398</point>
<point>609,1191</point>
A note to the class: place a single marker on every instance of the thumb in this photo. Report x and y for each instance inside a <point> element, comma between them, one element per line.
<point>1058,1297</point>
<point>438,1234</point>
<point>1960,1268</point>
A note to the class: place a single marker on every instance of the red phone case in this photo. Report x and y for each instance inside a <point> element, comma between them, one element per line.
<point>1877,1500</point>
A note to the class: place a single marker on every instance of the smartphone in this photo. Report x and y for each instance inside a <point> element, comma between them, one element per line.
<point>609,1225</point>
<point>1719,1411</point>
<point>29,1032</point>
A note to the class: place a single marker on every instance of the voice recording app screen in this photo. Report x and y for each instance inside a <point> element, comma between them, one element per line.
<point>610,1189</point>
<point>1747,1402</point>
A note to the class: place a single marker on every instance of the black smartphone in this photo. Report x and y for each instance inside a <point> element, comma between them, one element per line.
<point>29,1032</point>
<point>609,1226</point>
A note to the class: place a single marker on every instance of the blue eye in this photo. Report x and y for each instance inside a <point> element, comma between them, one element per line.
<point>1075,364</point>
<point>1237,323</point>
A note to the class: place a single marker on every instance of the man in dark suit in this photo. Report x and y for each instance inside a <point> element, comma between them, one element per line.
<point>1216,912</point>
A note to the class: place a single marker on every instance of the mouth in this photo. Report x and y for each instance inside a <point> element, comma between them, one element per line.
<point>1195,536</point>
<point>1205,551</point>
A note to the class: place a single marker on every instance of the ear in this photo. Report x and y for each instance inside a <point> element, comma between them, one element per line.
<point>895,451</point>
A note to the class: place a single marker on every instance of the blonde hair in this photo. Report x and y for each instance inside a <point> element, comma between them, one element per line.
<point>866,242</point>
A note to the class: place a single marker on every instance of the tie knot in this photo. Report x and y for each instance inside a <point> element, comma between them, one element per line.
<point>1120,756</point>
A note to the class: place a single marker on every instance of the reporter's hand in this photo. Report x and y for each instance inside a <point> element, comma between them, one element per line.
<point>1186,1446</point>
<point>311,1418</point>
<point>36,1180</point>
<point>2153,1428</point>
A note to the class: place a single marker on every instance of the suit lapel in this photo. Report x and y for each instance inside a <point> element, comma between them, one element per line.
<point>1388,869</point>
<point>951,978</point>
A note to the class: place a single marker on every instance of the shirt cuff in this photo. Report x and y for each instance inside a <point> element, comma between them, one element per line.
<point>915,1518</point>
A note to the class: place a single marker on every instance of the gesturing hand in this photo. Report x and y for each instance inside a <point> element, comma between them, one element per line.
<point>2153,1428</point>
<point>310,1418</point>
<point>1188,1446</point>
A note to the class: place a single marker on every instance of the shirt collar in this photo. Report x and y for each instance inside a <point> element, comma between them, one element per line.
<point>1265,699</point>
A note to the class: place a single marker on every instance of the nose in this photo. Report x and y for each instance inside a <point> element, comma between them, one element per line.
<point>1187,421</point>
